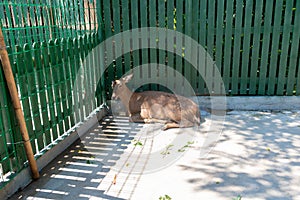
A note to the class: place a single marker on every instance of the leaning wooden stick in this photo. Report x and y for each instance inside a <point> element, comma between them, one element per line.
<point>17,106</point>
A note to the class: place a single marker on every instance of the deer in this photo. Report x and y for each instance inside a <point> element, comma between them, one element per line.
<point>174,111</point>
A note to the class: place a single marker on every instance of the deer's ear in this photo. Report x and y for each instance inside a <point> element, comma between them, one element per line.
<point>127,78</point>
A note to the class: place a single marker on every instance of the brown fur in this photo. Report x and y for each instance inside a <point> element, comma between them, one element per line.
<point>154,106</point>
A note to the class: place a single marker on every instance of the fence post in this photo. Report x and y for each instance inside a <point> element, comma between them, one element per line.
<point>17,105</point>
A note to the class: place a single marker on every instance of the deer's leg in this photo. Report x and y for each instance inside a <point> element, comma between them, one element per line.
<point>152,120</point>
<point>136,118</point>
<point>170,125</point>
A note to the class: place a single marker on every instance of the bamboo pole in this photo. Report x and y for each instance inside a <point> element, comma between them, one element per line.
<point>17,106</point>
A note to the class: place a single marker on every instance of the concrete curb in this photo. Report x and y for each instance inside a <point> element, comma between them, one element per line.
<point>23,178</point>
<point>250,103</point>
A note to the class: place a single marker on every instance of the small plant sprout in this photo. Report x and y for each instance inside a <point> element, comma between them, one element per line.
<point>137,142</point>
<point>188,145</point>
<point>166,197</point>
<point>167,150</point>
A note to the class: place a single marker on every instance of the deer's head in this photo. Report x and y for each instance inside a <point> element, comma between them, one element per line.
<point>119,86</point>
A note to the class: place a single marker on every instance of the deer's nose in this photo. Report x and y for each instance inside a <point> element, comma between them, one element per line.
<point>114,96</point>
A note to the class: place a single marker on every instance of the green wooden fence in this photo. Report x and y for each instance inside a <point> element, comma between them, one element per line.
<point>254,43</point>
<point>47,42</point>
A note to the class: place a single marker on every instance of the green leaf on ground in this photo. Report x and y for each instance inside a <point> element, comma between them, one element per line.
<point>188,145</point>
<point>167,150</point>
<point>166,197</point>
<point>137,143</point>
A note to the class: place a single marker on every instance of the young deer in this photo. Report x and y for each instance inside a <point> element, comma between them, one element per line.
<point>154,106</point>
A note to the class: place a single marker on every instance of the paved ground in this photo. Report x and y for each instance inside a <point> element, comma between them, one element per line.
<point>257,156</point>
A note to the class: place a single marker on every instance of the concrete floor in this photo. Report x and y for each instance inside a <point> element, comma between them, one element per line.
<point>255,156</point>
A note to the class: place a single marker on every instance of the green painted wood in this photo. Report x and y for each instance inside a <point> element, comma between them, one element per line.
<point>245,65</point>
<point>144,12</point>
<point>64,83</point>
<point>126,27</point>
<point>24,91</point>
<point>43,112</point>
<point>85,65</point>
<point>219,41</point>
<point>281,87</point>
<point>187,71</point>
<point>171,80</point>
<point>69,83</point>
<point>117,29</point>
<point>209,73</point>
<point>93,69</point>
<point>298,79</point>
<point>5,125</point>
<point>263,67</point>
<point>256,46</point>
<point>108,48</point>
<point>56,65</point>
<point>69,75</point>
<point>179,41</point>
<point>294,53</point>
<point>80,78</point>
<point>161,4</point>
<point>195,53</point>
<point>42,87</point>
<point>237,47</point>
<point>275,46</point>
<point>228,45</point>
<point>202,41</point>
<point>153,42</point>
<point>73,52</point>
<point>51,90</point>
<point>33,96</point>
<point>135,24</point>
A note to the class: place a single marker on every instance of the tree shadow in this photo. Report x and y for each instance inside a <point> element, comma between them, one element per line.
<point>257,156</point>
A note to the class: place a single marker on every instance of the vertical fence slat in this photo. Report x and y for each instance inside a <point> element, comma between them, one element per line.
<point>195,30</point>
<point>125,26</point>
<point>33,98</point>
<point>135,24</point>
<point>256,47</point>
<point>263,67</point>
<point>284,49</point>
<point>72,54</point>
<point>67,63</point>
<point>153,42</point>
<point>80,77</point>
<point>50,89</point>
<point>56,61</point>
<point>294,53</point>
<point>107,47</point>
<point>170,44</point>
<point>63,82</point>
<point>162,39</point>
<point>274,50</point>
<point>209,76</point>
<point>143,10</point>
<point>219,40</point>
<point>41,79</point>
<point>228,44</point>
<point>117,29</point>
<point>236,47</point>
<point>187,71</point>
<point>23,84</point>
<point>179,41</point>
<point>202,41</point>
<point>246,47</point>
